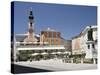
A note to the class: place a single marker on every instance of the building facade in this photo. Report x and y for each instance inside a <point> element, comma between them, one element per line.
<point>90,41</point>
<point>51,36</point>
<point>86,43</point>
<point>76,45</point>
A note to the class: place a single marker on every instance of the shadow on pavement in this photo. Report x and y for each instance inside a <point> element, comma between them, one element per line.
<point>16,69</point>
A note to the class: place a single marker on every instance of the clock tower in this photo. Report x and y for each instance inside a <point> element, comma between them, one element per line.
<point>31,33</point>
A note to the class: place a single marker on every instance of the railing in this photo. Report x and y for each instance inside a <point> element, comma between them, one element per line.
<point>34,46</point>
<point>53,47</point>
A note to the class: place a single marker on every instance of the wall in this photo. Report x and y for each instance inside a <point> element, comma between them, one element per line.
<point>76,47</point>
<point>52,37</point>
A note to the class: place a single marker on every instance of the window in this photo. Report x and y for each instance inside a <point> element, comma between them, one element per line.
<point>58,34</point>
<point>54,34</point>
<point>52,41</point>
<point>93,46</point>
<point>50,34</point>
<point>88,46</point>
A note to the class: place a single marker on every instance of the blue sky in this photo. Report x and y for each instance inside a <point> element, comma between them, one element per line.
<point>70,20</point>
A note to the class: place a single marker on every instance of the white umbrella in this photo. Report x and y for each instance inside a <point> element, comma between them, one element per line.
<point>35,54</point>
<point>59,52</point>
<point>43,53</point>
<point>66,52</point>
<point>54,53</point>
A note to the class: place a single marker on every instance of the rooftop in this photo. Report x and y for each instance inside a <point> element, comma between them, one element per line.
<point>50,29</point>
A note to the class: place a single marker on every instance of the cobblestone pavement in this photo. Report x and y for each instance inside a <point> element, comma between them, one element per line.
<point>57,65</point>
